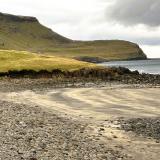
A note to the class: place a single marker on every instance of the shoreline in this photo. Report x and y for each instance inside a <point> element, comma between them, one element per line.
<point>11,84</point>
<point>63,119</point>
<point>85,75</point>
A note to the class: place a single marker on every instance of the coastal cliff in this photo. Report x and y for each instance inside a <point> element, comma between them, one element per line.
<point>26,33</point>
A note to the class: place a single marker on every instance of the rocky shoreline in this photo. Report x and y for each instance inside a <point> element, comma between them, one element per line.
<point>80,78</point>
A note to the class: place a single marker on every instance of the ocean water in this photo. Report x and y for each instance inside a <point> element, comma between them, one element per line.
<point>143,66</point>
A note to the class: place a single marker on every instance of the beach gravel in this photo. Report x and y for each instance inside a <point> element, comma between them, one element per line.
<point>148,127</point>
<point>30,133</point>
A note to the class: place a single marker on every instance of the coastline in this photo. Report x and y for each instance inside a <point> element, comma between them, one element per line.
<point>98,60</point>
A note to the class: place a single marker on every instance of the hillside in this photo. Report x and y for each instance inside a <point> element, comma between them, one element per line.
<point>26,33</point>
<point>23,60</point>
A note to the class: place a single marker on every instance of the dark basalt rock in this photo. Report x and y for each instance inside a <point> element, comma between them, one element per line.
<point>14,18</point>
<point>91,59</point>
<point>101,73</point>
<point>120,74</point>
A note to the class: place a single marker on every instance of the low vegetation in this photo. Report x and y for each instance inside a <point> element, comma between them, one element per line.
<point>11,60</point>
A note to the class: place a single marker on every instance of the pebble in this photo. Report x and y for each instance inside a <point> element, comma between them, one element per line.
<point>24,136</point>
<point>147,127</point>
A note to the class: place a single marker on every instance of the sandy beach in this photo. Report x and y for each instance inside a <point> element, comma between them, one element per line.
<point>78,123</point>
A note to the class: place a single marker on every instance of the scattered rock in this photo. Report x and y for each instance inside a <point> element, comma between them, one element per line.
<point>24,136</point>
<point>148,127</point>
<point>114,136</point>
<point>101,129</point>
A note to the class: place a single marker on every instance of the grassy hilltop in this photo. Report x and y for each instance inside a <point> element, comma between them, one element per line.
<point>26,33</point>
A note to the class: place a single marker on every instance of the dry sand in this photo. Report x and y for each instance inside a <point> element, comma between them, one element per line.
<point>100,103</point>
<point>102,109</point>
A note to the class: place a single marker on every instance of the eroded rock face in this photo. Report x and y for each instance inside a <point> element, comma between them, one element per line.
<point>14,18</point>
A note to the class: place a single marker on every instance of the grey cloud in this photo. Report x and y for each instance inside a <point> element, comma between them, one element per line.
<point>146,41</point>
<point>133,12</point>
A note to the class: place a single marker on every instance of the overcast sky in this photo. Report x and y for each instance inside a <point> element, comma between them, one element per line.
<point>133,20</point>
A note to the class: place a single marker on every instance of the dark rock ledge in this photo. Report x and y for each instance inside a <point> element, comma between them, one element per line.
<point>14,18</point>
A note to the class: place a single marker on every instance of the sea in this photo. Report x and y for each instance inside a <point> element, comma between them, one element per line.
<point>151,66</point>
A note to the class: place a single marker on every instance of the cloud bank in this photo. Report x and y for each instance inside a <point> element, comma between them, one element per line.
<point>133,12</point>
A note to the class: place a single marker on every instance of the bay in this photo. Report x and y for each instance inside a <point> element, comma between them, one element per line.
<point>151,66</point>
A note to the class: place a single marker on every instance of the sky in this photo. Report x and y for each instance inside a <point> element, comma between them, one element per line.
<point>132,20</point>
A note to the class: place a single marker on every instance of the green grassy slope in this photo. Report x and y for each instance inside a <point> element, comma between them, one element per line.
<point>26,33</point>
<point>19,60</point>
<point>109,50</point>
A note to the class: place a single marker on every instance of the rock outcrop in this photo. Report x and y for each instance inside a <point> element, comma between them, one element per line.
<point>9,17</point>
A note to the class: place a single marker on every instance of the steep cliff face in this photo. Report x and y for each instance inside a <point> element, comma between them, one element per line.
<point>26,33</point>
